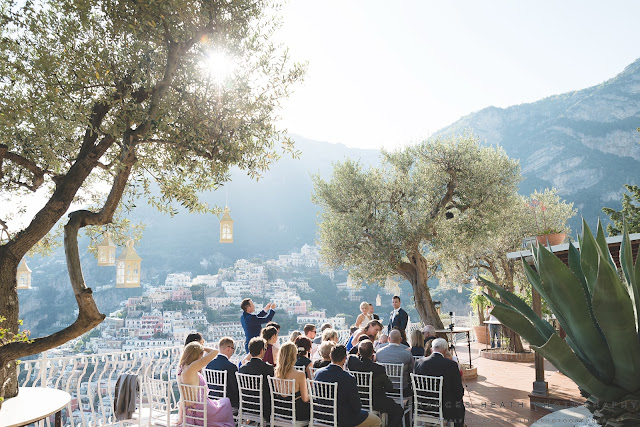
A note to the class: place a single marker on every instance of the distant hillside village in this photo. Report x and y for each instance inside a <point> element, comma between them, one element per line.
<point>165,314</point>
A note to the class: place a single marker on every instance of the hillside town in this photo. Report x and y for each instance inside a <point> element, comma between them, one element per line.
<point>165,314</point>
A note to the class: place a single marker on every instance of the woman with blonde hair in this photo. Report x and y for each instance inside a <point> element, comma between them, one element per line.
<point>219,412</point>
<point>294,335</point>
<point>364,316</point>
<point>417,343</point>
<point>285,370</point>
<point>324,352</point>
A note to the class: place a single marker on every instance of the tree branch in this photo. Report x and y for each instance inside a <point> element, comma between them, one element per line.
<point>38,174</point>
<point>89,315</point>
<point>448,196</point>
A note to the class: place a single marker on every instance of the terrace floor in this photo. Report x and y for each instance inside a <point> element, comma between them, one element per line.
<point>500,394</point>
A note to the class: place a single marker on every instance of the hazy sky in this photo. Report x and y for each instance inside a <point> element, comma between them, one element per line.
<point>390,73</point>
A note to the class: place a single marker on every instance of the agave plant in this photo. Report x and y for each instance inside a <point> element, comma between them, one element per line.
<point>599,309</point>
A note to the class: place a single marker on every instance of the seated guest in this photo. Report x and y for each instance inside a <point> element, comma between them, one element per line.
<point>395,352</point>
<point>452,391</point>
<point>285,370</point>
<point>304,347</point>
<point>417,343</point>
<point>324,351</point>
<point>294,335</point>
<point>276,345</point>
<point>219,412</point>
<point>256,366</point>
<point>350,412</point>
<point>383,341</point>
<point>380,382</point>
<point>429,333</point>
<point>318,339</point>
<point>354,350</point>
<point>194,337</point>
<point>310,332</point>
<point>270,335</point>
<point>364,316</point>
<point>327,335</point>
<point>330,335</point>
<point>403,333</point>
<point>371,329</point>
<point>226,347</point>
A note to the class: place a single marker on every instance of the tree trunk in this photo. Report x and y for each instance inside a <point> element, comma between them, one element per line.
<point>515,343</point>
<point>417,273</point>
<point>9,310</point>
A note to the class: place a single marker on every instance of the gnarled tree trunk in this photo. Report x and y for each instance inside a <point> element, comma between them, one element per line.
<point>417,273</point>
<point>8,309</point>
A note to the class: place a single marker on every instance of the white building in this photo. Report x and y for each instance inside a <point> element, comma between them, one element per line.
<point>208,280</point>
<point>178,279</point>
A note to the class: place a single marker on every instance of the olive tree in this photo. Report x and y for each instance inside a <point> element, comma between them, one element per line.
<point>477,242</point>
<point>380,222</point>
<point>102,101</point>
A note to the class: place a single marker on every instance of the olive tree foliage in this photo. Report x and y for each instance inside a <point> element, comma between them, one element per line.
<point>380,222</point>
<point>100,100</point>
<point>477,242</point>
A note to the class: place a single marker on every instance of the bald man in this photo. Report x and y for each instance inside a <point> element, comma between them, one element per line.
<point>396,352</point>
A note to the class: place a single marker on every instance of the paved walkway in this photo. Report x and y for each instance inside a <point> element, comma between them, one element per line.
<point>500,394</point>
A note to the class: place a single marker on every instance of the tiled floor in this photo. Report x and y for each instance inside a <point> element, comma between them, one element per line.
<point>500,394</point>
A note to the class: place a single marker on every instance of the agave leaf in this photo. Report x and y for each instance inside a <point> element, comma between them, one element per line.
<point>556,351</point>
<point>589,256</point>
<point>534,279</point>
<point>614,312</point>
<point>514,320</point>
<point>521,306</point>
<point>601,240</point>
<point>633,279</point>
<point>569,298</point>
<point>574,265</point>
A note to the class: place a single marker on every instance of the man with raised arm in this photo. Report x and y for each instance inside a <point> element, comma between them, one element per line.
<point>252,322</point>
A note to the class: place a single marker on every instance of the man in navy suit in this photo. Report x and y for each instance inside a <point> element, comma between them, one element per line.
<point>251,321</point>
<point>398,318</point>
<point>380,382</point>
<point>438,365</point>
<point>226,347</point>
<point>350,412</point>
<point>256,366</point>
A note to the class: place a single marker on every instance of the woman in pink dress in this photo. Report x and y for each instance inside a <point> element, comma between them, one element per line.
<point>219,412</point>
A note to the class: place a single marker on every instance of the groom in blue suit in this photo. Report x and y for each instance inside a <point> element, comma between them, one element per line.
<point>252,322</point>
<point>398,318</point>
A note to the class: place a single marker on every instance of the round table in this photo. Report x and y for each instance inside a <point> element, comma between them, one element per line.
<point>33,404</point>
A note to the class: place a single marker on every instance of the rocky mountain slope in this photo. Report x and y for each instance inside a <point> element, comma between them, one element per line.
<point>584,143</point>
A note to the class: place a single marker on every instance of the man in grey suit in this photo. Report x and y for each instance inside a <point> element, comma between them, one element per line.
<point>395,352</point>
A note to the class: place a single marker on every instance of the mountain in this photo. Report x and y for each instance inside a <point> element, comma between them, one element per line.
<point>584,143</point>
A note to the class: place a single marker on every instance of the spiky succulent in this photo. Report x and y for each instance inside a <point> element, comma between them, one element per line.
<point>598,308</point>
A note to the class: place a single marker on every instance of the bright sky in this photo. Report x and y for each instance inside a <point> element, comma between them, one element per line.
<point>391,73</point>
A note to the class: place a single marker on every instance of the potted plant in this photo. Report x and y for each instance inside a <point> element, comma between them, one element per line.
<point>479,302</point>
<point>549,216</point>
